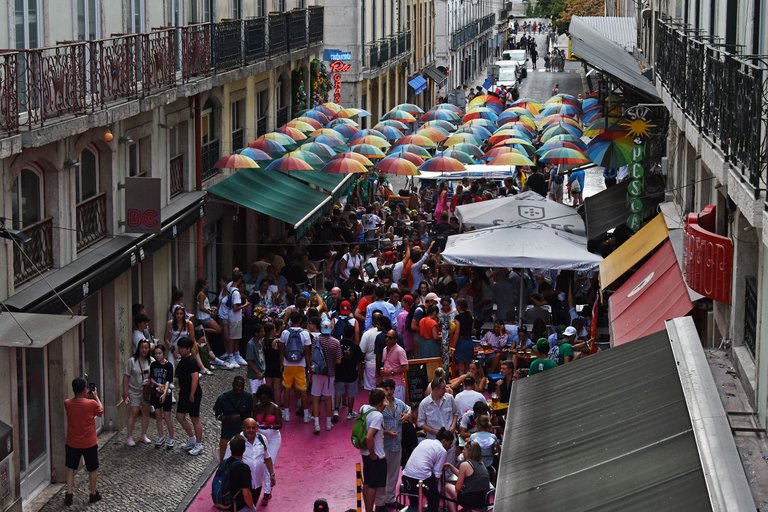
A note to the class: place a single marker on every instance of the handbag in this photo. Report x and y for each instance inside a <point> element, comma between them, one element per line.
<point>146,389</point>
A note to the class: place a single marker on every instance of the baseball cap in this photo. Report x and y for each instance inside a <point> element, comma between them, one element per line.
<point>389,257</point>
<point>408,298</point>
<point>569,331</point>
<point>325,326</point>
<point>542,346</point>
<point>432,296</point>
<point>345,308</point>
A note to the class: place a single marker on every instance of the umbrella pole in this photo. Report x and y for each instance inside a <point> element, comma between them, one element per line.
<point>520,306</point>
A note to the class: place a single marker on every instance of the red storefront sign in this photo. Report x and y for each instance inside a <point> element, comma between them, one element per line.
<point>337,68</point>
<point>707,257</point>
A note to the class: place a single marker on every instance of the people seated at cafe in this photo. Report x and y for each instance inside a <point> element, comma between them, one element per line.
<point>538,311</point>
<point>504,384</point>
<point>467,398</point>
<point>542,362</point>
<point>496,339</point>
<point>475,371</point>
<point>473,481</point>
<point>539,329</point>
<point>468,420</point>
<point>563,352</point>
<point>489,443</point>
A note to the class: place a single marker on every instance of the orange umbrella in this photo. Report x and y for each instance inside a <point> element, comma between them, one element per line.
<point>344,166</point>
<point>236,162</point>
<point>398,166</point>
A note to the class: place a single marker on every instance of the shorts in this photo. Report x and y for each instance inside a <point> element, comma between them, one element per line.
<point>322,385</point>
<point>255,383</point>
<point>91,456</point>
<point>295,377</point>
<point>236,330</point>
<point>167,404</point>
<point>348,388</point>
<point>137,399</point>
<point>223,320</point>
<point>374,472</point>
<point>205,322</point>
<point>184,406</point>
<point>369,377</point>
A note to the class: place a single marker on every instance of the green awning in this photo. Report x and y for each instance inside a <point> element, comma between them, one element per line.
<point>274,194</point>
<point>335,184</point>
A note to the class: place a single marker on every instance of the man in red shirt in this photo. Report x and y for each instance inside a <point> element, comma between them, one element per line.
<point>82,441</point>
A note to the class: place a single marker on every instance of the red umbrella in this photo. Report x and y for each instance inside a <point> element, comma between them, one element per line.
<point>442,164</point>
<point>398,166</point>
<point>344,166</point>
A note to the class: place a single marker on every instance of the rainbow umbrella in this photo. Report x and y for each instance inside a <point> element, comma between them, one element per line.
<point>390,133</point>
<point>440,115</point>
<point>304,126</point>
<point>434,134</point>
<point>354,156</point>
<point>289,163</point>
<point>481,132</point>
<point>327,112</point>
<point>502,150</point>
<point>501,134</point>
<point>446,106</point>
<point>520,111</point>
<point>485,123</point>
<point>397,166</point>
<point>418,140</point>
<point>345,130</point>
<point>564,156</point>
<point>472,150</point>
<point>414,159</point>
<point>329,132</point>
<point>335,141</point>
<point>410,148</point>
<point>324,151</point>
<point>527,122</point>
<point>610,149</point>
<point>530,105</point>
<point>344,166</point>
<point>565,109</point>
<point>399,115</point>
<point>554,144</point>
<point>461,138</point>
<point>588,102</point>
<point>367,131</point>
<point>236,161</point>
<point>312,159</point>
<point>394,123</point>
<point>351,112</point>
<point>332,106</point>
<point>342,120</point>
<point>515,143</point>
<point>314,123</point>
<point>442,164</point>
<point>520,132</point>
<point>373,140</point>
<point>444,125</point>
<point>480,113</point>
<point>367,150</point>
<point>412,109</point>
<point>563,98</point>
<point>270,147</point>
<point>567,137</point>
<point>255,154</point>
<point>280,138</point>
<point>485,99</point>
<point>294,133</point>
<point>512,158</point>
<point>315,115</point>
<point>461,156</point>
<point>605,124</point>
<point>546,122</point>
<point>560,129</point>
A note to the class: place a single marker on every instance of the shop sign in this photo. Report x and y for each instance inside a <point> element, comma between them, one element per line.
<point>142,205</point>
<point>707,257</point>
<point>337,68</point>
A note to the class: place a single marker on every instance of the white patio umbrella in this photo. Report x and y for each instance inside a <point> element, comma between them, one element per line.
<point>521,208</point>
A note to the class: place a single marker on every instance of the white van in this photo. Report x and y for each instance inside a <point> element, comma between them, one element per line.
<point>519,58</point>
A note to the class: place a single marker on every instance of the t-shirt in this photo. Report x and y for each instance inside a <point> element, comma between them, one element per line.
<point>541,364</point>
<point>374,420</point>
<point>255,352</point>
<point>487,441</point>
<point>466,400</point>
<point>230,404</point>
<point>351,262</point>
<point>331,351</point>
<point>393,359</point>
<point>161,372</point>
<point>351,356</point>
<point>304,338</point>
<point>137,371</point>
<point>239,478</point>
<point>426,460</point>
<point>425,327</point>
<point>566,350</point>
<point>234,298</point>
<point>184,370</point>
<point>81,429</point>
<point>368,346</point>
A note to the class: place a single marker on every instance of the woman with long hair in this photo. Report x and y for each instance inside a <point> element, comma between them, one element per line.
<point>204,312</point>
<point>161,378</point>
<point>135,377</point>
<point>180,327</point>
<point>442,200</point>
<point>273,375</point>
<point>473,481</point>
<point>269,418</point>
<point>464,346</point>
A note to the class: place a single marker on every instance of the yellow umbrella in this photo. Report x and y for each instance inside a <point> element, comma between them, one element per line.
<point>373,140</point>
<point>300,125</point>
<point>461,138</point>
<point>512,158</point>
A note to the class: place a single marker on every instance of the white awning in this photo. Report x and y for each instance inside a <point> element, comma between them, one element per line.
<point>16,330</point>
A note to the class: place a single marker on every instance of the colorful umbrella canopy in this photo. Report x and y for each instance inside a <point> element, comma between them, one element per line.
<point>485,99</point>
<point>316,115</point>
<point>445,125</point>
<point>527,122</point>
<point>394,123</point>
<point>567,137</point>
<point>610,149</point>
<point>289,163</point>
<point>565,109</point>
<point>335,141</point>
<point>280,138</point>
<point>553,144</point>
<point>304,126</point>
<point>268,146</point>
<point>412,109</point>
<point>524,147</point>
<point>342,120</point>
<point>314,123</point>
<point>329,132</point>
<point>351,112</point>
<point>327,112</point>
<point>367,150</point>
<point>414,159</point>
<point>482,132</point>
<point>367,131</point>
<point>434,134</point>
<point>332,106</point>
<point>472,150</point>
<point>564,156</point>
<point>546,122</point>
<point>501,135</point>
<point>462,157</point>
<point>345,130</point>
<point>563,98</point>
<point>398,166</point>
<point>534,107</point>
<point>446,106</point>
<point>605,124</point>
<point>411,148</point>
<point>460,138</point>
<point>294,133</point>
<point>312,159</point>
<point>373,140</point>
<point>485,123</point>
<point>344,166</point>
<point>560,129</point>
<point>399,115</point>
<point>520,111</point>
<point>512,158</point>
<point>390,133</point>
<point>418,140</point>
<point>442,164</point>
<point>236,162</point>
<point>480,113</point>
<point>354,156</point>
<point>440,115</point>
<point>324,151</point>
<point>255,154</point>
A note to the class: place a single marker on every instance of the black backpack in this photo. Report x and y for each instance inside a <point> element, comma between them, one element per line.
<point>341,324</point>
<point>411,313</point>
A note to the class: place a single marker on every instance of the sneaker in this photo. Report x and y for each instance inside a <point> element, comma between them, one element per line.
<point>144,439</point>
<point>307,418</point>
<point>188,445</point>
<point>286,415</point>
<point>160,442</point>
<point>351,415</point>
<point>221,363</point>
<point>316,430</point>
<point>169,444</point>
<point>206,371</point>
<point>93,498</point>
<point>335,418</point>
<point>197,450</point>
<point>211,367</point>
<point>328,425</point>
<point>129,441</point>
<point>299,412</point>
<point>239,360</point>
<point>233,366</point>
<point>68,498</point>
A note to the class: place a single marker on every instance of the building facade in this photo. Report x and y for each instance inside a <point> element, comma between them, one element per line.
<point>706,60</point>
<point>81,111</point>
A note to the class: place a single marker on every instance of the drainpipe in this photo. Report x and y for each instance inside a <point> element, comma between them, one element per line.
<point>198,179</point>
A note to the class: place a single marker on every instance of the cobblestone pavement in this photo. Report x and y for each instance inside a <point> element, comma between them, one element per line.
<point>143,479</point>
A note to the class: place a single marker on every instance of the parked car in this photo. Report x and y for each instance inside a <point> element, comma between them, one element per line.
<point>519,58</point>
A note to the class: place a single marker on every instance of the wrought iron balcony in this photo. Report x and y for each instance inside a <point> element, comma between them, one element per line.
<point>384,51</point>
<point>315,27</point>
<point>724,95</point>
<point>282,116</point>
<point>210,153</point>
<point>297,29</point>
<point>176,174</point>
<point>113,69</point>
<point>227,44</point>
<point>278,33</point>
<point>196,50</point>
<point>255,31</point>
<point>9,96</point>
<point>91,220</point>
<point>37,254</point>
<point>158,55</point>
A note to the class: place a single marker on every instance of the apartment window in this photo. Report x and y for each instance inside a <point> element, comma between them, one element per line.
<point>193,11</point>
<point>174,15</point>
<point>87,175</point>
<point>236,114</point>
<point>206,11</point>
<point>373,20</point>
<point>237,9</point>
<point>363,23</point>
<point>27,26</point>
<point>88,20</point>
<point>137,17</point>
<point>134,160</point>
<point>27,198</point>
<point>261,8</point>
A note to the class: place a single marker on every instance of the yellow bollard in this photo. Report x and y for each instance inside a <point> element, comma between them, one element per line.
<point>359,475</point>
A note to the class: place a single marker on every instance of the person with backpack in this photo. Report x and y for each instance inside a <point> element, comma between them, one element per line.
<point>295,350</point>
<point>231,486</point>
<point>344,319</point>
<point>256,457</point>
<point>562,353</point>
<point>237,303</point>
<point>346,374</point>
<point>231,408</point>
<point>368,437</point>
<point>326,354</point>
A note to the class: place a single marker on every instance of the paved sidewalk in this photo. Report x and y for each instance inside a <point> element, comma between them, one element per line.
<point>145,479</point>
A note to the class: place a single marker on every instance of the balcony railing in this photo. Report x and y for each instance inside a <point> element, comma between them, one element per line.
<point>91,220</point>
<point>386,50</point>
<point>37,254</point>
<point>725,96</point>
<point>75,78</point>
<point>176,171</point>
<point>210,155</point>
<point>282,116</point>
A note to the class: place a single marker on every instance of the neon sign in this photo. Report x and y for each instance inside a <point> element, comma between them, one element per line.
<point>337,68</point>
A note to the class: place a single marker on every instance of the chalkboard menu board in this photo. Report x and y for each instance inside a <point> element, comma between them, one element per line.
<point>418,376</point>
